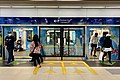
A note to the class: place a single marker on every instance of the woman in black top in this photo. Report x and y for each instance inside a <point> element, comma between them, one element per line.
<point>107,45</point>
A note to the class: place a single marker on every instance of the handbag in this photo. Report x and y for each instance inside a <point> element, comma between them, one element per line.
<point>32,54</point>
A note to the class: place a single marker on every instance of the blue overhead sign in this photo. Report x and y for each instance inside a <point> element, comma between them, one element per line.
<point>61,20</point>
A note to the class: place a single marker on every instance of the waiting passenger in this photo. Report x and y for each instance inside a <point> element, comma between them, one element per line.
<point>41,54</point>
<point>94,42</point>
<point>107,47</point>
<point>19,44</point>
<point>9,42</point>
<point>102,39</point>
<point>35,50</point>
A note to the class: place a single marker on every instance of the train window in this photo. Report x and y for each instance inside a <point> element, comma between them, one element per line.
<point>29,36</point>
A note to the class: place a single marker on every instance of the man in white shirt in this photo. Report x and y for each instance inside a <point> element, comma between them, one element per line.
<point>94,42</point>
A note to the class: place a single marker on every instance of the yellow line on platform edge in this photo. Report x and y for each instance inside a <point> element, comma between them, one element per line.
<point>36,70</point>
<point>92,70</point>
<point>63,68</point>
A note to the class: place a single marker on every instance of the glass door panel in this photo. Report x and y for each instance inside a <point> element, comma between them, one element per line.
<point>47,40</point>
<point>66,41</point>
<point>57,42</point>
<point>62,41</point>
<point>76,41</point>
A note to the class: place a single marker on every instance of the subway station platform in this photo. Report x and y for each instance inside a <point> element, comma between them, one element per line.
<point>58,70</point>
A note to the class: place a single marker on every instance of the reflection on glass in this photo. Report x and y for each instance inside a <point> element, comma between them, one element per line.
<point>76,41</point>
<point>47,39</point>
<point>57,41</point>
<point>66,40</point>
<point>72,41</point>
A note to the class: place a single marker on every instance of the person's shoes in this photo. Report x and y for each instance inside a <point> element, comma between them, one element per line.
<point>110,62</point>
<point>7,63</point>
<point>94,55</point>
<point>31,61</point>
<point>38,66</point>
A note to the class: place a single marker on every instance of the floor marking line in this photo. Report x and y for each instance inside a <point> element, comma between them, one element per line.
<point>36,69</point>
<point>63,68</point>
<point>92,70</point>
<point>50,70</point>
<point>78,71</point>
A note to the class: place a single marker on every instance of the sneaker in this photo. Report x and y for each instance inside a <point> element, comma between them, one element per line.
<point>31,61</point>
<point>7,63</point>
<point>38,66</point>
<point>110,62</point>
<point>94,55</point>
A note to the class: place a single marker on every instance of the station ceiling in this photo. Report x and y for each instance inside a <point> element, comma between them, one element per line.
<point>57,2</point>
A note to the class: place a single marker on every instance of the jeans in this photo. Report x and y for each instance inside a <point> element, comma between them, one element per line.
<point>10,57</point>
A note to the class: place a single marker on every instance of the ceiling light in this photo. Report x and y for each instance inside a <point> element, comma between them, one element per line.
<point>46,6</point>
<point>93,6</point>
<point>23,6</point>
<point>5,6</point>
<point>69,6</point>
<point>112,6</point>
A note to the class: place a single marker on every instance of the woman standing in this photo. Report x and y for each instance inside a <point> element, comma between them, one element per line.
<point>35,49</point>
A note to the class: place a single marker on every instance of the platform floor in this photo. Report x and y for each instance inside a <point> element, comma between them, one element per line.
<point>59,70</point>
<point>55,73</point>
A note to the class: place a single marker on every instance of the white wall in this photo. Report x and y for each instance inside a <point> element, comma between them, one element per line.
<point>59,12</point>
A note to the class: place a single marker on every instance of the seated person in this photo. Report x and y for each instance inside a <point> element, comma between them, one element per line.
<point>19,44</point>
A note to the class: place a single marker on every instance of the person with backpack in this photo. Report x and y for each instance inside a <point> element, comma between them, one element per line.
<point>107,47</point>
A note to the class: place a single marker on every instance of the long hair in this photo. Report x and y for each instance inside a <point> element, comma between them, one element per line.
<point>36,40</point>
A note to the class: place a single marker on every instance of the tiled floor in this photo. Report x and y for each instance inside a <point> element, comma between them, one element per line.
<point>26,73</point>
<point>55,71</point>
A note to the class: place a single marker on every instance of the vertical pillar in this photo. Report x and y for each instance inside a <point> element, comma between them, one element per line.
<point>86,44</point>
<point>61,43</point>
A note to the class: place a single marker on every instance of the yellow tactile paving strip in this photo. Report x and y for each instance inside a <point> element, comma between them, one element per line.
<point>66,64</point>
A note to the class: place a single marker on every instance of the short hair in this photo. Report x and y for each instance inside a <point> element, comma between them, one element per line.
<point>96,33</point>
<point>9,32</point>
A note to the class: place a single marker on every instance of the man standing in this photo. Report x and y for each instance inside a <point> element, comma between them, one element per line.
<point>102,40</point>
<point>9,42</point>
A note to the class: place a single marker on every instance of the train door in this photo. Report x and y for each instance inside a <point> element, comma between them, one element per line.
<point>63,41</point>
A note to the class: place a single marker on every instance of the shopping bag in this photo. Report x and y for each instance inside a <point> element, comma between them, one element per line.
<point>101,55</point>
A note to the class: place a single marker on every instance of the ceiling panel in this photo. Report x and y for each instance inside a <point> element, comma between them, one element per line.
<point>56,2</point>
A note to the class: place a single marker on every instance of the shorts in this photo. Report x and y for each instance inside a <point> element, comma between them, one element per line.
<point>93,45</point>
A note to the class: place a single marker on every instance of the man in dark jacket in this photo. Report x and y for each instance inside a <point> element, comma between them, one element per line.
<point>107,45</point>
<point>9,42</point>
<point>102,39</point>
